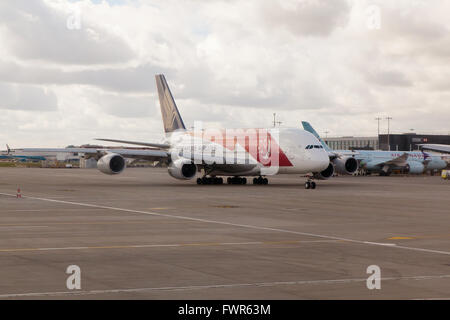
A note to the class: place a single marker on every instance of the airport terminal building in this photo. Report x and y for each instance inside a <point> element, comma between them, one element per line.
<point>410,141</point>
<point>398,142</point>
<point>350,143</point>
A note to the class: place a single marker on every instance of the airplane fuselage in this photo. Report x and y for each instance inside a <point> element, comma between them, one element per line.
<point>415,159</point>
<point>251,152</point>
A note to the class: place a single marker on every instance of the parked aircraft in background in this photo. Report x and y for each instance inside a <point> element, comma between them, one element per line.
<point>384,162</point>
<point>236,153</point>
<point>11,154</point>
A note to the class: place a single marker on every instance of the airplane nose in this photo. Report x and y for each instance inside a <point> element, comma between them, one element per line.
<point>323,160</point>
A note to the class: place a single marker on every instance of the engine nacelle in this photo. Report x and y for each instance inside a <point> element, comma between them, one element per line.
<point>112,163</point>
<point>347,165</point>
<point>370,166</point>
<point>415,167</point>
<point>182,169</point>
<point>325,174</point>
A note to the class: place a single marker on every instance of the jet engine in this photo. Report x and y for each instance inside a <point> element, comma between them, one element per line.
<point>325,174</point>
<point>370,166</point>
<point>415,167</point>
<point>347,165</point>
<point>112,163</point>
<point>182,169</point>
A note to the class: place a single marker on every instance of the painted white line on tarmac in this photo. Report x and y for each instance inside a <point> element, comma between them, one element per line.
<point>217,286</point>
<point>6,228</point>
<point>380,243</point>
<point>174,245</point>
<point>247,226</point>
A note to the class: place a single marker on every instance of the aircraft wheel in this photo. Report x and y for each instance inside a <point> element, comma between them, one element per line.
<point>244,180</point>
<point>265,181</point>
<point>307,185</point>
<point>199,181</point>
<point>313,185</point>
<point>229,181</point>
<point>255,181</point>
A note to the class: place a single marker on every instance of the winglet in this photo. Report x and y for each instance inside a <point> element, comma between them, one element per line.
<point>307,126</point>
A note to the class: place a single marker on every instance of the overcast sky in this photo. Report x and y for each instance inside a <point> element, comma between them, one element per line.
<point>71,71</point>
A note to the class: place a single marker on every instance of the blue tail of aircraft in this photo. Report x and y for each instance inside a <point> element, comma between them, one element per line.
<point>310,129</point>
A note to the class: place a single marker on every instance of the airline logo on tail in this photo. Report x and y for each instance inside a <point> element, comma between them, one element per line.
<point>170,114</point>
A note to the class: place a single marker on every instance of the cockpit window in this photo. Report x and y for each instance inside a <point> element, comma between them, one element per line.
<point>315,146</point>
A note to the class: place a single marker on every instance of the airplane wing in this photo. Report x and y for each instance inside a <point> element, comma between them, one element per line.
<point>126,153</point>
<point>340,154</point>
<point>443,148</point>
<point>397,162</point>
<point>147,144</point>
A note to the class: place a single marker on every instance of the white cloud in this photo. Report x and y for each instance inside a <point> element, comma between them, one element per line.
<point>27,97</point>
<point>229,63</point>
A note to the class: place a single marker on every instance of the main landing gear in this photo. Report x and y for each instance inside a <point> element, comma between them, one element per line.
<point>210,180</point>
<point>237,180</point>
<point>260,180</point>
<point>310,184</point>
<point>231,180</point>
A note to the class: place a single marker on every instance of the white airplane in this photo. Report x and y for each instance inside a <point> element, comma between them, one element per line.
<point>236,153</point>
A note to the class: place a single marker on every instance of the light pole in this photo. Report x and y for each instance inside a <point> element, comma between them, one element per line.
<point>378,120</point>
<point>276,122</point>
<point>389,142</point>
<point>326,134</point>
<point>378,136</point>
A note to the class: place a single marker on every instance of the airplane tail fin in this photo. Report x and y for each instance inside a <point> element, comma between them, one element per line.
<point>170,114</point>
<point>8,149</point>
<point>307,126</point>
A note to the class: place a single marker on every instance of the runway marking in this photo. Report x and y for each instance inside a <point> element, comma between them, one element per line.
<point>380,243</point>
<point>85,223</point>
<point>218,286</point>
<point>27,210</point>
<point>438,236</point>
<point>247,226</point>
<point>400,238</point>
<point>3,227</point>
<point>175,245</point>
